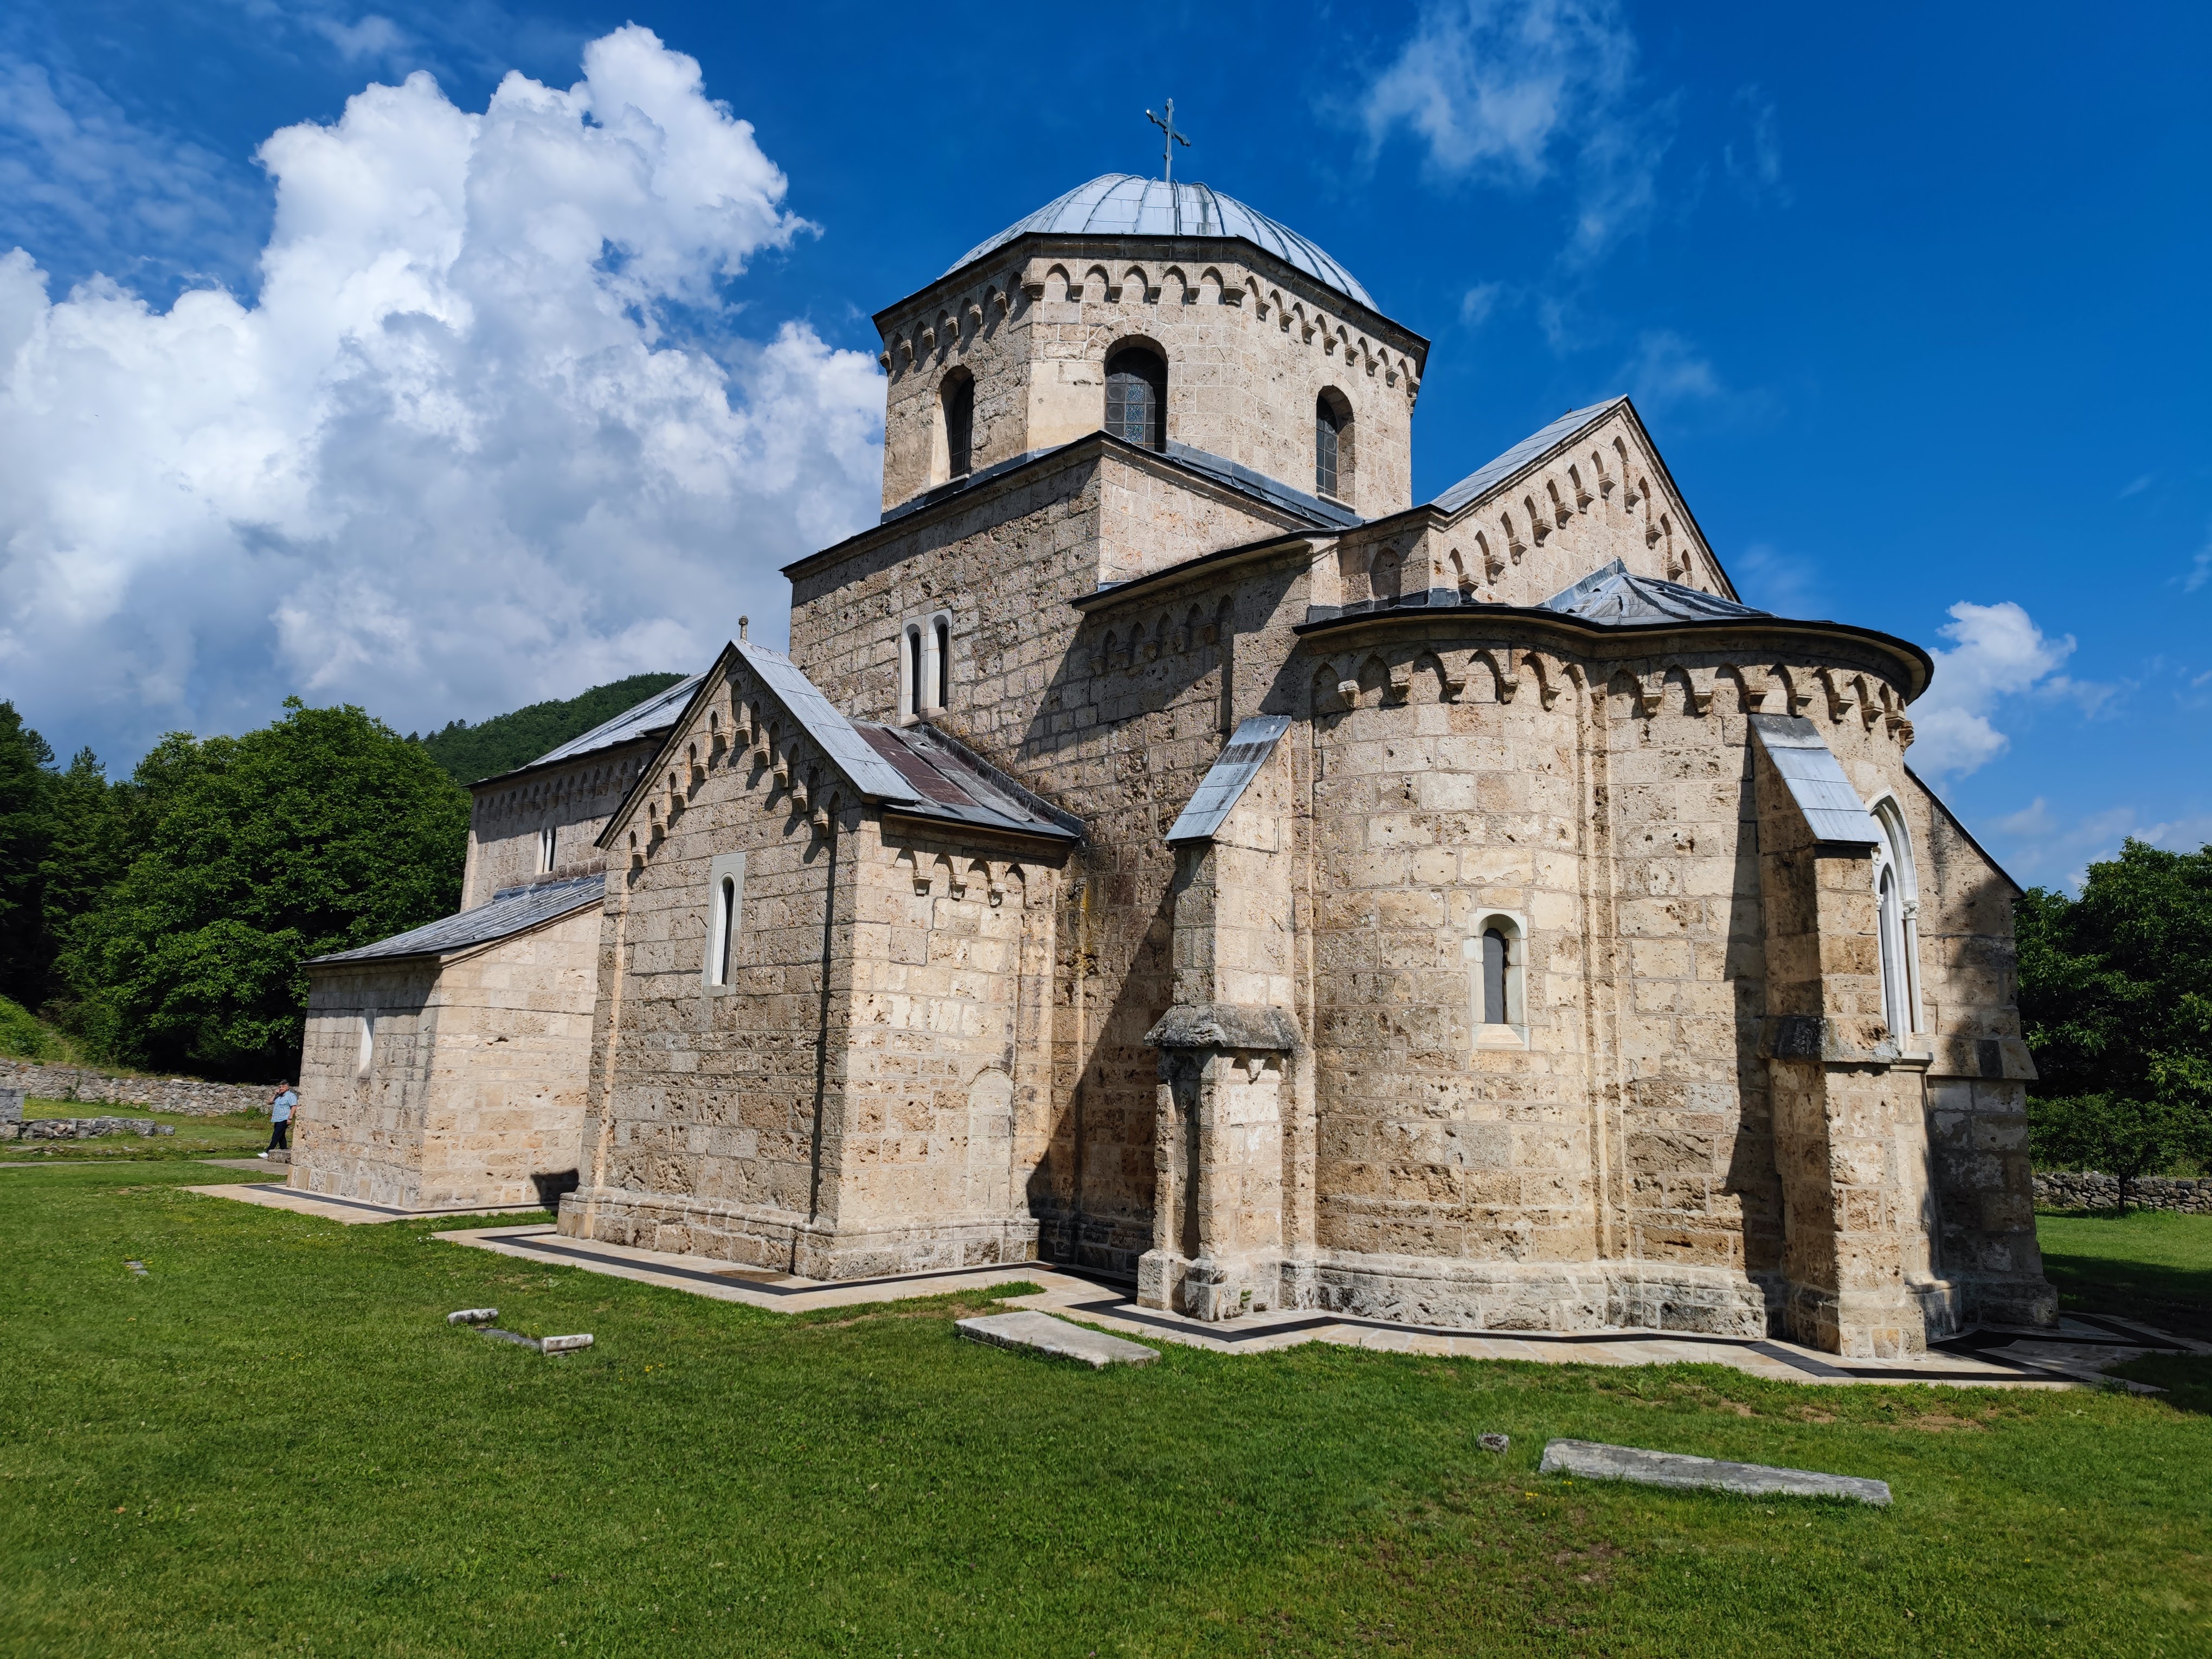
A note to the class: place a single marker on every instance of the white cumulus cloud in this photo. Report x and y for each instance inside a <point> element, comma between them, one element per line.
<point>1996,652</point>
<point>485,436</point>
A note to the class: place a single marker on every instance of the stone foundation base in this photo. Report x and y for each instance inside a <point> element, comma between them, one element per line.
<point>2011,1300</point>
<point>1510,1296</point>
<point>370,1181</point>
<point>783,1241</point>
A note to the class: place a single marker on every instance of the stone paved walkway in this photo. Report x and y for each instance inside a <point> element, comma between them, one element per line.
<point>2073,1356</point>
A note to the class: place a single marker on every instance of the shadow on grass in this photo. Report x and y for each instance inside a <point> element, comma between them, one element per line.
<point>2187,1378</point>
<point>2151,1265</point>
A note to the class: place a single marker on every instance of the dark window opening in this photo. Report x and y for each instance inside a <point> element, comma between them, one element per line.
<point>1327,430</point>
<point>729,929</point>
<point>1493,977</point>
<point>913,671</point>
<point>960,426</point>
<point>944,663</point>
<point>1137,398</point>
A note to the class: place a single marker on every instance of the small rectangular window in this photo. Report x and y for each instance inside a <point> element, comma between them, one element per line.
<point>368,1056</point>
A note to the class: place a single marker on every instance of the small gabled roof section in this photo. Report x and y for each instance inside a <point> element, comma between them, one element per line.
<point>1815,779</point>
<point>955,784</point>
<point>1532,448</point>
<point>511,910</point>
<point>820,719</point>
<point>920,773</point>
<point>656,713</point>
<point>1612,596</point>
<point>1226,779</point>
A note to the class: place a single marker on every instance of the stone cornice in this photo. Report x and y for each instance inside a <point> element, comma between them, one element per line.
<point>1768,637</point>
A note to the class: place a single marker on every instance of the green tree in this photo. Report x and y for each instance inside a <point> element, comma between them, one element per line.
<point>65,839</point>
<point>321,831</point>
<point>2114,1003</point>
<point>25,834</point>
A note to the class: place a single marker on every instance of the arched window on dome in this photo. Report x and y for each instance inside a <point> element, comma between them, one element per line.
<point>1332,456</point>
<point>1137,397</point>
<point>956,410</point>
<point>1897,910</point>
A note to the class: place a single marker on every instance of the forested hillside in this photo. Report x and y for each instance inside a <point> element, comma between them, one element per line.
<point>161,920</point>
<point>504,742</point>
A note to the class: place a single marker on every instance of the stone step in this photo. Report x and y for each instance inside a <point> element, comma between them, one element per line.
<point>1594,1462</point>
<point>1040,1333</point>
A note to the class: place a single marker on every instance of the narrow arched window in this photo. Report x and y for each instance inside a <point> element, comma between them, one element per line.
<point>959,396</point>
<point>1332,444</point>
<point>368,1056</point>
<point>545,849</point>
<point>1494,956</point>
<point>913,671</point>
<point>1896,905</point>
<point>941,632</point>
<point>1324,448</point>
<point>726,926</point>
<point>1136,398</point>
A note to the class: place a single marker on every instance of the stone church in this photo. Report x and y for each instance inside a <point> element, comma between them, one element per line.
<point>1171,848</point>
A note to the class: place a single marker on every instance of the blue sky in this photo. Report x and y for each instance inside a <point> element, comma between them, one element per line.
<point>1913,300</point>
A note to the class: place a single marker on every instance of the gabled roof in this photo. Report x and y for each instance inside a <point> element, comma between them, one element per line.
<point>1612,596</point>
<point>1226,779</point>
<point>1548,441</point>
<point>1123,204</point>
<point>1536,445</point>
<point>820,718</point>
<point>512,910</point>
<point>647,720</point>
<point>916,771</point>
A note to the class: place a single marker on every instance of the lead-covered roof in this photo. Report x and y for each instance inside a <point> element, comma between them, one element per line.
<point>1123,204</point>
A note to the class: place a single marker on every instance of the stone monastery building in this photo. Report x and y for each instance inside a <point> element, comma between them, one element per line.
<point>1171,849</point>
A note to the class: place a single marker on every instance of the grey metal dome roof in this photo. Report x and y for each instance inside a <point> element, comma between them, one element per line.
<point>1123,204</point>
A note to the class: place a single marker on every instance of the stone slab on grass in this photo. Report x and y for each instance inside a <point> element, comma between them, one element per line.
<point>1041,1332</point>
<point>1593,1461</point>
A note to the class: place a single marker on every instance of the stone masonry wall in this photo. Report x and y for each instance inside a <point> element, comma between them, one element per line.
<point>2088,1190</point>
<point>1249,348</point>
<point>507,818</point>
<point>186,1095</point>
<point>474,1089</point>
<point>850,1102</point>
<point>360,1128</point>
<point>1117,722</point>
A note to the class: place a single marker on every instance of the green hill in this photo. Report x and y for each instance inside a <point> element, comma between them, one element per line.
<point>506,741</point>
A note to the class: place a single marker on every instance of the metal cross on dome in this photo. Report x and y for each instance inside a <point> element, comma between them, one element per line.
<point>1169,139</point>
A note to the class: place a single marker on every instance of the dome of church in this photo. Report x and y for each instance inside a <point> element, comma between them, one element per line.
<point>1123,204</point>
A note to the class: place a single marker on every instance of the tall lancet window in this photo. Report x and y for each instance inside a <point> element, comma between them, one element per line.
<point>1136,398</point>
<point>959,395</point>
<point>1897,916</point>
<point>1332,444</point>
<point>941,637</point>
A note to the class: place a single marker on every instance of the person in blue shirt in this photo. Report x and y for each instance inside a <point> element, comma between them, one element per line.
<point>280,1119</point>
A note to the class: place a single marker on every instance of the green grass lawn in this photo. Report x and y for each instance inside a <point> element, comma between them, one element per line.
<point>2153,1264</point>
<point>272,1441</point>
<point>232,1134</point>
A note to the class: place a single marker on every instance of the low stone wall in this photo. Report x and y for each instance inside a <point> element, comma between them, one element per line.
<point>80,1128</point>
<point>2092,1191</point>
<point>160,1094</point>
